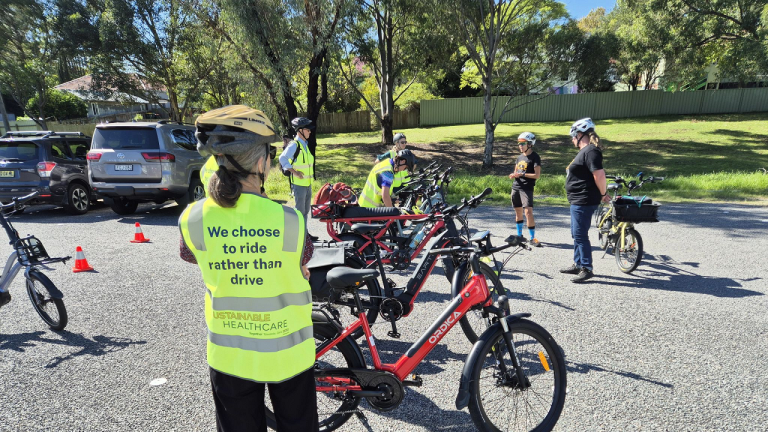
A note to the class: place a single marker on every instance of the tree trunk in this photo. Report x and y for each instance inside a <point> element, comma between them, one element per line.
<point>6,124</point>
<point>488,121</point>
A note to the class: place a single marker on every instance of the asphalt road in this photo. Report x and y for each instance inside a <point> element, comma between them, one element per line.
<point>679,345</point>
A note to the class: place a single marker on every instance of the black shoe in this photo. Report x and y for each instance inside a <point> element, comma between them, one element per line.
<point>5,298</point>
<point>583,276</point>
<point>314,238</point>
<point>573,269</point>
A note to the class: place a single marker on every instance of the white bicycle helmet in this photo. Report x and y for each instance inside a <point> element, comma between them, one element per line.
<point>528,137</point>
<point>582,125</point>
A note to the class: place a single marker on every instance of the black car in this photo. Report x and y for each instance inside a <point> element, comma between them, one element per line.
<point>52,162</point>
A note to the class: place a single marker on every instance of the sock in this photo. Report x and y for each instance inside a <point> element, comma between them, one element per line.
<point>532,231</point>
<point>519,228</point>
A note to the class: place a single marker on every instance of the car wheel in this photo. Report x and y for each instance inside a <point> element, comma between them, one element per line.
<point>78,199</point>
<point>196,192</point>
<point>123,206</point>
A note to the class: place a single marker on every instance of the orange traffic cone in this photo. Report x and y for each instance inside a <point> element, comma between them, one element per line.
<point>139,236</point>
<point>81,264</point>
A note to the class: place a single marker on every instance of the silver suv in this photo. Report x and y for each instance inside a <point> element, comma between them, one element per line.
<point>138,162</point>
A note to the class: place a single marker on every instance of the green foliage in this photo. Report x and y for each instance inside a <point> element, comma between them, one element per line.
<point>595,71</point>
<point>412,97</point>
<point>26,66</point>
<point>61,105</point>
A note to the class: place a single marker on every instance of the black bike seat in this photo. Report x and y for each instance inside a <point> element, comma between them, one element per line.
<point>613,186</point>
<point>348,278</point>
<point>364,228</point>
<point>359,212</point>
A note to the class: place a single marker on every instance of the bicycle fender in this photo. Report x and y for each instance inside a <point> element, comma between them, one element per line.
<point>462,399</point>
<point>53,290</point>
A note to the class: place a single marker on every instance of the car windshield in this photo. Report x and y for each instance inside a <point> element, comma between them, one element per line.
<point>17,151</point>
<point>125,138</point>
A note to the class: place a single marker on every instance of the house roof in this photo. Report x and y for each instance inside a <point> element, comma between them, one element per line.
<point>81,87</point>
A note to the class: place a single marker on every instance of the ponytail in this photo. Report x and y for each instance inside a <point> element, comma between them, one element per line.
<point>594,139</point>
<point>225,187</point>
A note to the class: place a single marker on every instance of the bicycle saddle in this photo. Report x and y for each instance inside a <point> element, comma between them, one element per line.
<point>614,186</point>
<point>348,278</point>
<point>357,212</point>
<point>364,228</point>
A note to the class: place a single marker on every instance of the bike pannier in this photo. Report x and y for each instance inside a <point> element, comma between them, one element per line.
<point>636,209</point>
<point>325,257</point>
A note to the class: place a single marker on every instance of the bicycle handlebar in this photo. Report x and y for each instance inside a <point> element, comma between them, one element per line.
<point>19,200</point>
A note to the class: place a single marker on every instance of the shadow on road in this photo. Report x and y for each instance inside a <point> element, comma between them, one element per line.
<point>583,368</point>
<point>96,347</point>
<point>665,273</point>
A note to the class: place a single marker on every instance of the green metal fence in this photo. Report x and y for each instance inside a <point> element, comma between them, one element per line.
<point>597,105</point>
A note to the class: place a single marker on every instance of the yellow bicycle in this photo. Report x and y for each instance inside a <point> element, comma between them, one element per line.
<point>616,221</point>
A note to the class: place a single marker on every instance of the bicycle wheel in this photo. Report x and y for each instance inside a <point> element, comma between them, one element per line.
<point>628,257</point>
<point>497,401</point>
<point>472,323</point>
<point>51,310</point>
<point>333,409</point>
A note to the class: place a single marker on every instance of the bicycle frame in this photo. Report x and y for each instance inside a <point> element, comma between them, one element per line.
<point>12,267</point>
<point>387,222</point>
<point>474,293</point>
<point>623,226</point>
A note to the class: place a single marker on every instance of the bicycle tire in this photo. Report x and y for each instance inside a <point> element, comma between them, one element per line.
<point>41,299</point>
<point>351,360</point>
<point>537,376</point>
<point>472,323</point>
<point>629,258</point>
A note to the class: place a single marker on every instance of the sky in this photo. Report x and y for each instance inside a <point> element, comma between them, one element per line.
<point>580,8</point>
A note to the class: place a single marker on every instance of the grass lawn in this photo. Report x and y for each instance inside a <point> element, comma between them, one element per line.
<point>715,157</point>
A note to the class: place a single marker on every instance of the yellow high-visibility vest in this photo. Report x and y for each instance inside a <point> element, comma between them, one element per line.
<point>400,176</point>
<point>304,164</point>
<point>258,306</point>
<point>206,172</point>
<point>371,196</point>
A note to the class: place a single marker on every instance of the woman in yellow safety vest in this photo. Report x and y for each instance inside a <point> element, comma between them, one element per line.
<point>252,253</point>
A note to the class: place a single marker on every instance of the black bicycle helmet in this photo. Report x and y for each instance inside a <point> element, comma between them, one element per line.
<point>408,157</point>
<point>302,123</point>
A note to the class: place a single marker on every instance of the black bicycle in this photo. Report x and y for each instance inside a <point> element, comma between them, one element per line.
<point>28,252</point>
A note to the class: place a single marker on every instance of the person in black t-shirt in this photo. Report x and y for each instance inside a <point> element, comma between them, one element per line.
<point>527,170</point>
<point>585,186</point>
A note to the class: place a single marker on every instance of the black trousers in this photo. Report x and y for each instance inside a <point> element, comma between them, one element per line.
<point>240,403</point>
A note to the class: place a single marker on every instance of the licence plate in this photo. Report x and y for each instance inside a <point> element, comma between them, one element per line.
<point>123,167</point>
<point>7,174</point>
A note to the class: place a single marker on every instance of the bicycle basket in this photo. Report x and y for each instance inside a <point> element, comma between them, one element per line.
<point>636,210</point>
<point>30,250</point>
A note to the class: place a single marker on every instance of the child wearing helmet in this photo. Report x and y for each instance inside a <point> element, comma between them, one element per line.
<point>527,171</point>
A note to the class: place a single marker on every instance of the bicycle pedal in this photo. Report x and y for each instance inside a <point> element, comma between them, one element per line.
<point>415,381</point>
<point>393,334</point>
<point>363,419</point>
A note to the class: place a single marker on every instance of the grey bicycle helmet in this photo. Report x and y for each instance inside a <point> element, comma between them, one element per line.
<point>408,157</point>
<point>302,123</point>
<point>582,125</point>
<point>398,137</point>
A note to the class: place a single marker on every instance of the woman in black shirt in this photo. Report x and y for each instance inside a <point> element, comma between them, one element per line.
<point>585,186</point>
